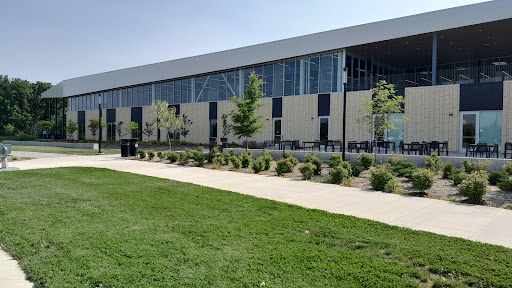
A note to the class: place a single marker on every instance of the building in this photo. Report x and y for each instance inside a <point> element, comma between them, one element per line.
<point>453,67</point>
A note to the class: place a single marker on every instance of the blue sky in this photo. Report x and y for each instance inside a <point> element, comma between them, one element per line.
<point>53,40</point>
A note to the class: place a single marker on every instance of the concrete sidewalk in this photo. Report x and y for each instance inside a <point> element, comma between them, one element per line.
<point>477,223</point>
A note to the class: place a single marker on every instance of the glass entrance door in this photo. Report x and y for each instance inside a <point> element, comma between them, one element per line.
<point>324,128</point>
<point>277,130</point>
<point>469,129</point>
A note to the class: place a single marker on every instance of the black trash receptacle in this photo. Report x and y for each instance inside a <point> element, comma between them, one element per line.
<point>125,147</point>
<point>213,142</point>
<point>134,146</point>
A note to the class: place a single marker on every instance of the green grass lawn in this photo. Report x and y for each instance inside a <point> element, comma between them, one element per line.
<point>82,227</point>
<point>61,150</point>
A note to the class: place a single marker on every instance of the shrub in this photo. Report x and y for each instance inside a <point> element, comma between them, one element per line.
<point>161,154</point>
<point>393,186</point>
<point>258,165</point>
<point>267,159</point>
<point>400,167</point>
<point>246,158</point>
<point>307,170</point>
<point>380,176</point>
<point>287,154</point>
<point>284,166</point>
<point>173,156</point>
<point>237,163</point>
<point>497,177</point>
<point>508,168</point>
<point>433,163</point>
<point>458,175</point>
<point>423,179</point>
<point>293,160</point>
<point>223,159</point>
<point>151,154</point>
<point>231,152</point>
<point>199,156</point>
<point>475,186</point>
<point>335,160</point>
<point>142,154</point>
<point>366,160</point>
<point>476,166</point>
<point>313,159</point>
<point>184,158</point>
<point>356,170</point>
<point>339,174</point>
<point>448,170</point>
<point>505,185</point>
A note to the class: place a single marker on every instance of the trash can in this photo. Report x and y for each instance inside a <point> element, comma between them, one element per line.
<point>134,146</point>
<point>213,142</point>
<point>125,147</point>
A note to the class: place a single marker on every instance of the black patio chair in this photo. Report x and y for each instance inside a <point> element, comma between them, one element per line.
<point>401,147</point>
<point>337,143</point>
<point>508,147</point>
<point>365,146</point>
<point>433,146</point>
<point>481,148</point>
<point>296,145</point>
<point>415,147</point>
<point>352,145</point>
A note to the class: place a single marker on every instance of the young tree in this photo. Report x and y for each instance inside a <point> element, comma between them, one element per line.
<point>71,128</point>
<point>226,128</point>
<point>376,112</point>
<point>245,121</point>
<point>185,126</point>
<point>133,129</point>
<point>167,117</point>
<point>149,129</point>
<point>94,126</point>
<point>120,130</point>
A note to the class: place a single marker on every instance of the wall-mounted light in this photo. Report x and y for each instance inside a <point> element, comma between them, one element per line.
<point>451,114</point>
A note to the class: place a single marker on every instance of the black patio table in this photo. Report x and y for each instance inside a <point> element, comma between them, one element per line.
<point>312,144</point>
<point>283,143</point>
<point>421,147</point>
<point>329,143</point>
<point>490,149</point>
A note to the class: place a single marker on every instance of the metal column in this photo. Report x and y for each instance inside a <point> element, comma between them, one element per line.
<point>63,119</point>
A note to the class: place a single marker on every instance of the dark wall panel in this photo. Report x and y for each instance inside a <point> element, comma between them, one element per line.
<point>277,107</point>
<point>136,114</point>
<point>111,115</point>
<point>81,116</point>
<point>324,104</point>
<point>483,96</point>
<point>213,110</point>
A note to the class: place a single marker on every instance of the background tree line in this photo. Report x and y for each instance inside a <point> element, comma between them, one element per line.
<point>22,108</point>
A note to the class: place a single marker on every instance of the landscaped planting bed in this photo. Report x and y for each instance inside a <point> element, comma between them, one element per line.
<point>471,184</point>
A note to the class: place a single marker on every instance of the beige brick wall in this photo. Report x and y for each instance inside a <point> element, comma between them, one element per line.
<point>355,131</point>
<point>506,132</point>
<point>94,114</point>
<point>124,115</point>
<point>149,115</point>
<point>200,128</point>
<point>428,110</point>
<point>300,118</point>
<point>72,116</point>
<point>336,116</point>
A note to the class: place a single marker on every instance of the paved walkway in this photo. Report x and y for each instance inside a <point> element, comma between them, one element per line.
<point>477,223</point>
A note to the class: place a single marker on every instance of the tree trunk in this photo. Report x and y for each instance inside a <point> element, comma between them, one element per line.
<point>169,139</point>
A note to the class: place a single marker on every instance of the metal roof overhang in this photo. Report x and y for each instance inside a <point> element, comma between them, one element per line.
<point>304,45</point>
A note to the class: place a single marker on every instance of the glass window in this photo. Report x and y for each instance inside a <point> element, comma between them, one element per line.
<point>396,135</point>
<point>129,97</point>
<point>177,91</point>
<point>247,72</point>
<point>158,92</point>
<point>222,87</point>
<point>214,86</point>
<point>325,73</point>
<point>335,59</point>
<point>109,100</point>
<point>141,95</point>
<point>185,90</point>
<point>124,100</point>
<point>199,87</point>
<point>147,96</point>
<point>278,80</point>
<point>277,130</point>
<point>111,131</point>
<point>231,87</point>
<point>81,131</point>
<point>289,78</point>
<point>268,79</point>
<point>170,92</point>
<point>349,73</point>
<point>135,96</point>
<point>490,127</point>
<point>313,75</point>
<point>297,76</point>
